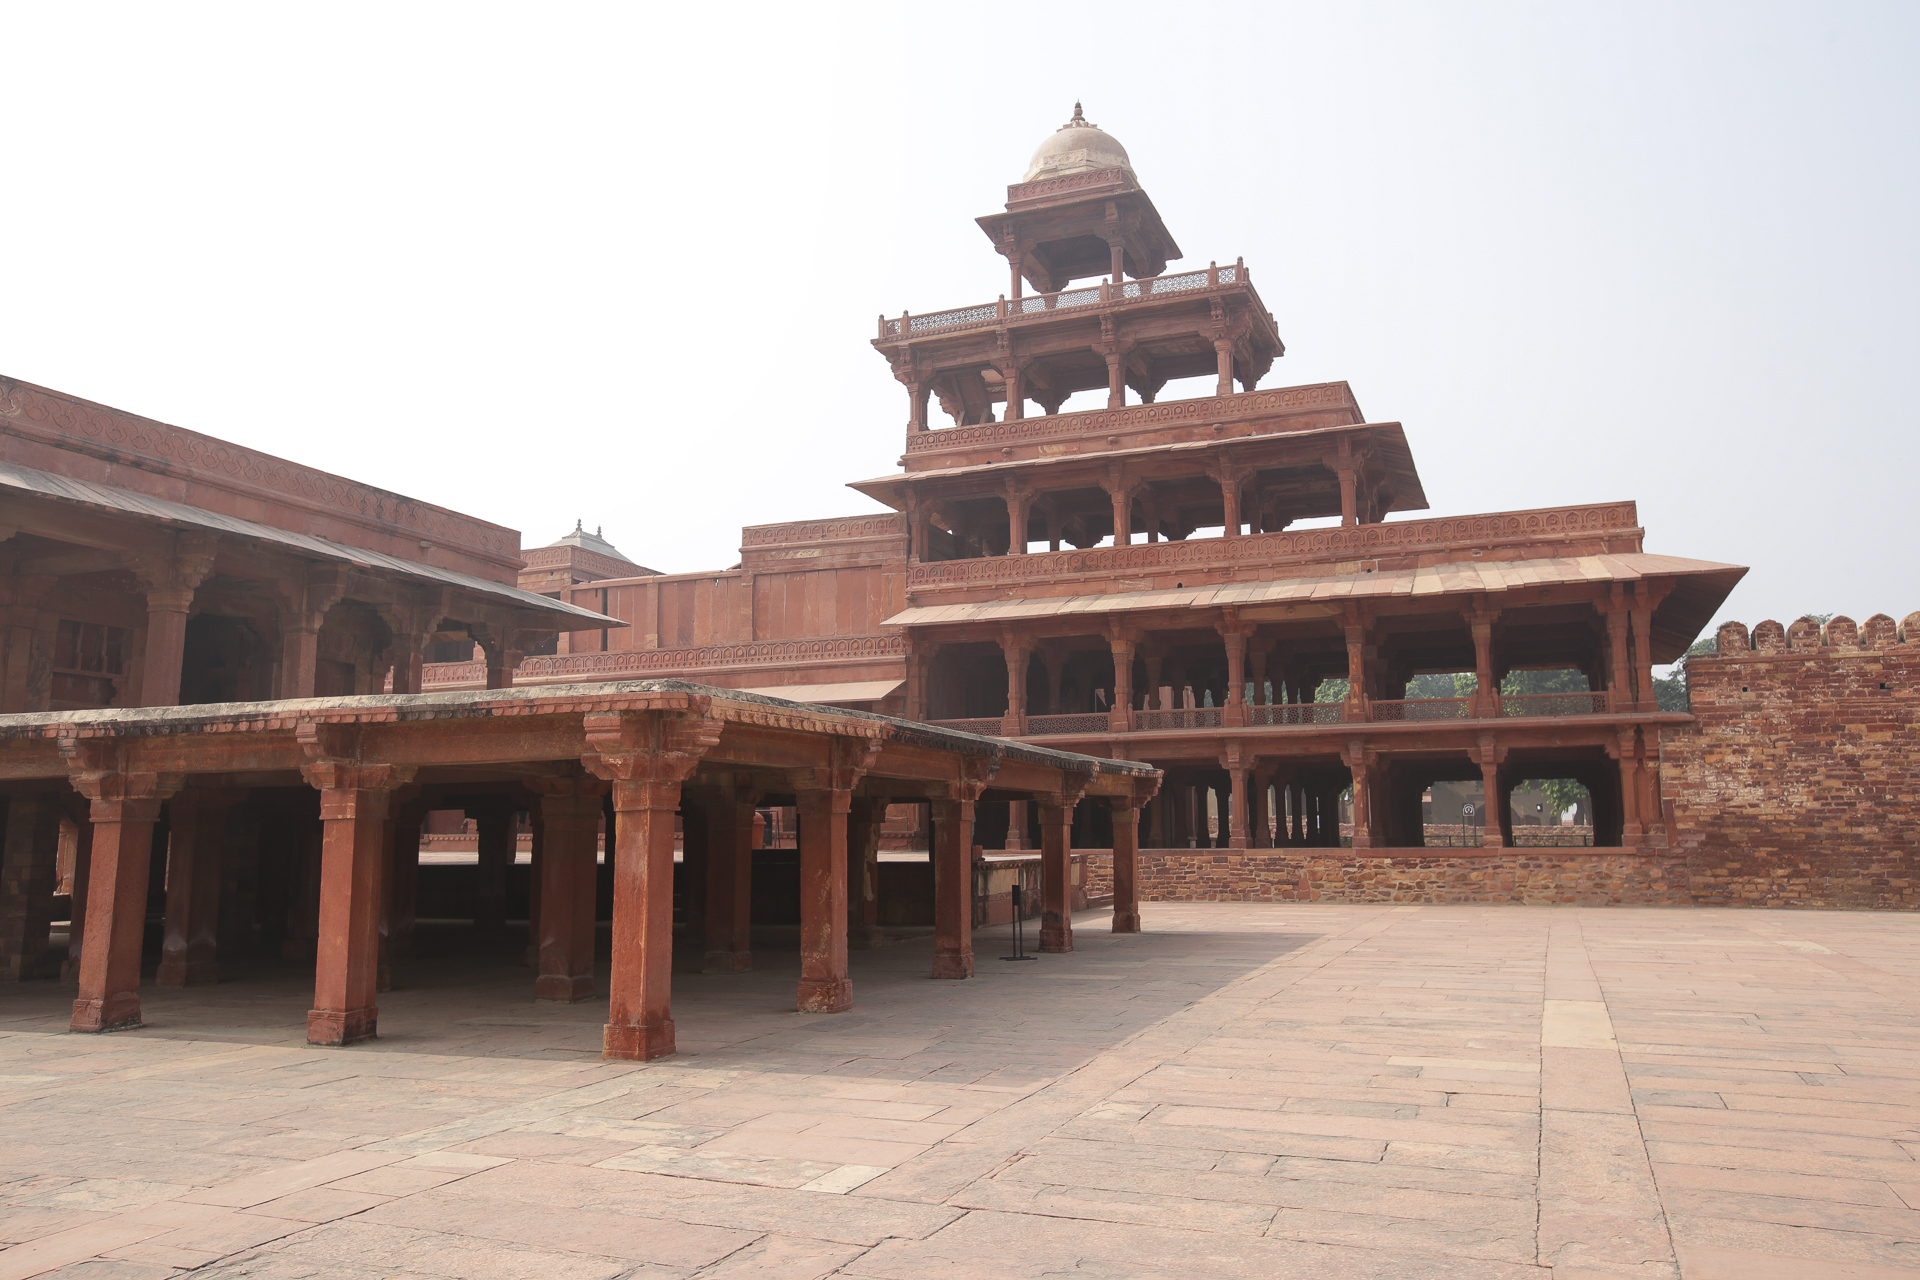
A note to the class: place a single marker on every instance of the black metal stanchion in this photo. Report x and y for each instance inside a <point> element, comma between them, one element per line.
<point>1019,931</point>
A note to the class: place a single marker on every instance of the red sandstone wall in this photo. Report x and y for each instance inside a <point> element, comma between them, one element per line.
<point>1799,786</point>
<point>1599,877</point>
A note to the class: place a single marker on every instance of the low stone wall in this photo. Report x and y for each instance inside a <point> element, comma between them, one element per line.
<point>1598,877</point>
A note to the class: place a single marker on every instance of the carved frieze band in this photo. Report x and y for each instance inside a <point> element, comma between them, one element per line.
<point>226,463</point>
<point>1048,186</point>
<point>1266,548</point>
<point>630,661</point>
<point>1105,421</point>
<point>843,530</point>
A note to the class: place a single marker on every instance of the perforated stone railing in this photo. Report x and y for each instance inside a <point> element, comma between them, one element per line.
<point>1297,713</point>
<point>1018,309</point>
<point>1191,718</point>
<point>1420,709</point>
<point>1079,722</point>
<point>989,725</point>
<point>1553,704</point>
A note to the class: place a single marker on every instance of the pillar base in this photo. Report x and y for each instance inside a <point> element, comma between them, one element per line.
<point>1126,922</point>
<point>727,962</point>
<point>1237,842</point>
<point>637,1042</point>
<point>120,1013</point>
<point>559,988</point>
<point>953,964</point>
<point>186,973</point>
<point>825,995</point>
<point>1493,842</point>
<point>337,1027</point>
<point>1055,938</point>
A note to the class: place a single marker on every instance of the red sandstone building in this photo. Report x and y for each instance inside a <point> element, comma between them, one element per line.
<point>1134,581</point>
<point>232,688</point>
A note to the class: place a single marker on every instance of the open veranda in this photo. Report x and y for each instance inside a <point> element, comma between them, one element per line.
<point>1306,1090</point>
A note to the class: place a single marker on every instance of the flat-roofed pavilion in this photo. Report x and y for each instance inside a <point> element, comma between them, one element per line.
<point>639,752</point>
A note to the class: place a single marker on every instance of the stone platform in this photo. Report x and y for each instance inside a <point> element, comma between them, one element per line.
<point>1333,1092</point>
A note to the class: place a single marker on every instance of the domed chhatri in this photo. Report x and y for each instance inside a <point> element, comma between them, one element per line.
<point>1077,147</point>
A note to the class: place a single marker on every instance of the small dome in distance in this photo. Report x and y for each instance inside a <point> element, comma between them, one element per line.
<point>1077,147</point>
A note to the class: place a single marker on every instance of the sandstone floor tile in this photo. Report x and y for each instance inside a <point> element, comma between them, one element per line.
<point>318,1204</point>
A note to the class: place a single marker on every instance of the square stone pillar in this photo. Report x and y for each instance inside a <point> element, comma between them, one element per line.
<point>77,921</point>
<point>639,1014</point>
<point>123,810</point>
<point>864,823</point>
<point>729,908</point>
<point>646,755</point>
<point>563,927</point>
<point>497,838</point>
<point>824,984</point>
<point>1126,864</point>
<point>196,847</point>
<point>952,852</point>
<point>1056,884</point>
<point>353,817</point>
<point>29,872</point>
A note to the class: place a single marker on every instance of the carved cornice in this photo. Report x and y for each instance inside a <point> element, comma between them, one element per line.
<point>1365,541</point>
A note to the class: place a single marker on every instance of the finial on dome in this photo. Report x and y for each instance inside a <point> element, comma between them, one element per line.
<point>1079,121</point>
<point>580,525</point>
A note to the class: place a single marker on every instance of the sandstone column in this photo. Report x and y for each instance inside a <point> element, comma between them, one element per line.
<point>646,755</point>
<point>1056,885</point>
<point>123,809</point>
<point>563,926</point>
<point>729,914</point>
<point>1126,863</point>
<point>864,823</point>
<point>953,880</point>
<point>28,874</point>
<point>353,814</point>
<point>196,845</point>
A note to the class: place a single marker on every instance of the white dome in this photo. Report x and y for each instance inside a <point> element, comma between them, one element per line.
<point>1077,147</point>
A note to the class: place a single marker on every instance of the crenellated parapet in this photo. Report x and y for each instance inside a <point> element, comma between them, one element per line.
<point>1839,634</point>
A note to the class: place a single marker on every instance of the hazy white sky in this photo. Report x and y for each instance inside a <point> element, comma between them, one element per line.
<point>622,262</point>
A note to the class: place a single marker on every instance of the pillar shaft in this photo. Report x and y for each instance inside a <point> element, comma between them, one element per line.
<point>166,646</point>
<point>1491,836</point>
<point>1116,381</point>
<point>1126,867</point>
<point>109,995</point>
<point>1056,883</point>
<point>953,888</point>
<point>77,920</point>
<point>729,914</point>
<point>864,823</point>
<point>1237,825</point>
<point>1120,715</point>
<point>347,957</point>
<point>196,843</point>
<point>563,925</point>
<point>640,991</point>
<point>824,985</point>
<point>1223,360</point>
<point>496,839</point>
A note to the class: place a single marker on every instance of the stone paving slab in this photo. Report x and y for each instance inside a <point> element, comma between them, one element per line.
<point>1366,1092</point>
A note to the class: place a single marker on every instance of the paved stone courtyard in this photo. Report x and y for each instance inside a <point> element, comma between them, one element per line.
<point>1311,1091</point>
